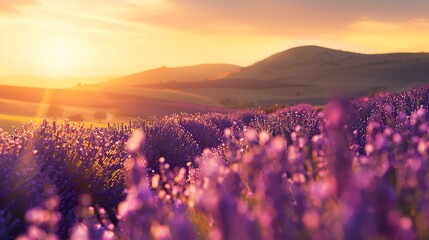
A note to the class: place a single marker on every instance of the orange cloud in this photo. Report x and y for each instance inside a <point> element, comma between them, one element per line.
<point>264,17</point>
<point>187,32</point>
<point>12,7</point>
<point>277,17</point>
<point>388,36</point>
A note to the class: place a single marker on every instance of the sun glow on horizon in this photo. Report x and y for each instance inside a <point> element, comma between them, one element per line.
<point>65,39</point>
<point>61,56</point>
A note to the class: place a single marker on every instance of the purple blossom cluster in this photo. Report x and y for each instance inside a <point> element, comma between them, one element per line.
<point>71,157</point>
<point>356,169</point>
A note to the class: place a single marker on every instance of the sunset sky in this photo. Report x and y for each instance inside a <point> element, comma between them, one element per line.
<point>70,38</point>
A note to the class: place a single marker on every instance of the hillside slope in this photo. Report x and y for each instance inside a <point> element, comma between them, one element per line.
<point>323,66</point>
<point>178,74</point>
<point>317,66</point>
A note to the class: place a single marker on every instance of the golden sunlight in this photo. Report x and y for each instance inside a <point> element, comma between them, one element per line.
<point>61,56</point>
<point>383,37</point>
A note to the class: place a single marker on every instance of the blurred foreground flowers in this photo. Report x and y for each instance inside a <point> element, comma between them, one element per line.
<point>354,170</point>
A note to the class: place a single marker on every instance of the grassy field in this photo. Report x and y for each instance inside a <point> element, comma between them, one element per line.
<point>9,122</point>
<point>178,95</point>
<point>22,104</point>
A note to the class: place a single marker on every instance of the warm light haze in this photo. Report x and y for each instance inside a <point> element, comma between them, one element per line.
<point>66,39</point>
<point>214,119</point>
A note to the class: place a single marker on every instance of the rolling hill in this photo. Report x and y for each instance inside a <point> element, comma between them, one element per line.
<point>310,74</point>
<point>317,66</point>
<point>178,74</point>
<point>121,104</point>
<point>46,82</point>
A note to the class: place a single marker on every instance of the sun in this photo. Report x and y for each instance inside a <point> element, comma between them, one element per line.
<point>62,56</point>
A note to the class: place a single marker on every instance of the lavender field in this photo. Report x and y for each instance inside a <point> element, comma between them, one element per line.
<point>353,169</point>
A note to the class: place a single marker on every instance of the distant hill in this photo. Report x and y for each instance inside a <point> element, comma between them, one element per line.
<point>26,80</point>
<point>177,74</point>
<point>323,67</point>
<point>308,74</point>
<point>46,82</point>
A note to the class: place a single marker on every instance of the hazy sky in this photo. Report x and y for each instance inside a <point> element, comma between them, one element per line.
<point>67,38</point>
